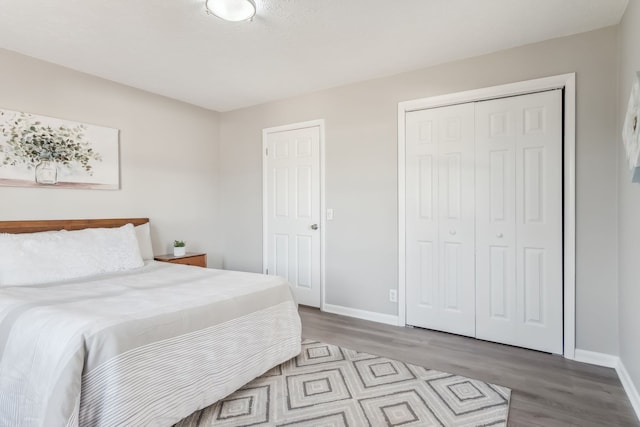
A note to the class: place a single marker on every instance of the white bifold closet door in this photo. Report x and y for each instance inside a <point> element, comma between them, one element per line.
<point>440,219</point>
<point>483,220</point>
<point>519,292</point>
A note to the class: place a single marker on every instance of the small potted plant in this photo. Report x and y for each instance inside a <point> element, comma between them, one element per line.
<point>178,248</point>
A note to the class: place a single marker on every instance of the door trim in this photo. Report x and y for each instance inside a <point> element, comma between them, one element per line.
<point>563,81</point>
<point>265,247</point>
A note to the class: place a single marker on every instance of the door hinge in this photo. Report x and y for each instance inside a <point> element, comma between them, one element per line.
<point>267,151</point>
<point>267,271</point>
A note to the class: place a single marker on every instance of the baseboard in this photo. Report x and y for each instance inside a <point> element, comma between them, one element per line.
<point>595,358</point>
<point>610,361</point>
<point>361,314</point>
<point>629,387</point>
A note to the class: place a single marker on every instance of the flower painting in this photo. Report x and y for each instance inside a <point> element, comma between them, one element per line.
<point>40,151</point>
<point>631,130</point>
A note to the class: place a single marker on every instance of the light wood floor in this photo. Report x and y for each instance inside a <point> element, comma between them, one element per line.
<point>547,390</point>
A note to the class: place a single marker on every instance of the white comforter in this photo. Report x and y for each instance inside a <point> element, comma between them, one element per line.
<point>147,347</point>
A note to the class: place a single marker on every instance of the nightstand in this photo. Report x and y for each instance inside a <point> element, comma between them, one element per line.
<point>190,258</point>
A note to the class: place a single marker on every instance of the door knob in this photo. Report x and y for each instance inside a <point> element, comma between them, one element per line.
<point>499,235</point>
<point>452,232</point>
<point>314,226</point>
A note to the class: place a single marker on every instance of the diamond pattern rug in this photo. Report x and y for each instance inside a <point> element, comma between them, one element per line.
<point>331,386</point>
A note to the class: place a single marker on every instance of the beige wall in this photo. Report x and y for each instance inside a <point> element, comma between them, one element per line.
<point>629,205</point>
<point>178,188</point>
<point>361,173</point>
<point>168,154</point>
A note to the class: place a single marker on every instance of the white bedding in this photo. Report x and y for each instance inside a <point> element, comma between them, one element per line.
<point>36,258</point>
<point>145,347</point>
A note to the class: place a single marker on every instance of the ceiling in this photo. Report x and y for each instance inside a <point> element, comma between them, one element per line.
<point>173,48</point>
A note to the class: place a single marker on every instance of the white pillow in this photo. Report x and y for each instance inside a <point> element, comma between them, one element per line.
<point>35,258</point>
<point>143,233</point>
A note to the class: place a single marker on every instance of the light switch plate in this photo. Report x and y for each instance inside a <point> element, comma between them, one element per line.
<point>329,214</point>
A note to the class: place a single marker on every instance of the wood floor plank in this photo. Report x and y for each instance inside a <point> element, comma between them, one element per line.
<point>547,390</point>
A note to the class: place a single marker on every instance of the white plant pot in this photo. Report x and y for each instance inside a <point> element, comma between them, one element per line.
<point>179,251</point>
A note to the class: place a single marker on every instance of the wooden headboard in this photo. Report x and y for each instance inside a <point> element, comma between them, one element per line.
<point>65,224</point>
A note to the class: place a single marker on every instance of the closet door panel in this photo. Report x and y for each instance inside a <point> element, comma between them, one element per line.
<point>455,222</point>
<point>519,221</point>
<point>439,219</point>
<point>421,174</point>
<point>495,220</point>
<point>539,224</point>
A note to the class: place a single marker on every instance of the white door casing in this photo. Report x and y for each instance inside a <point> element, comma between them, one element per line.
<point>292,207</point>
<point>519,221</point>
<point>440,219</point>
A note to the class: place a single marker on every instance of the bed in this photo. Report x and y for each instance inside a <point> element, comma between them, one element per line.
<point>145,346</point>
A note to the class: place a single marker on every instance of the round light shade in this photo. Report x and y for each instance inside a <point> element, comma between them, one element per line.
<point>232,10</point>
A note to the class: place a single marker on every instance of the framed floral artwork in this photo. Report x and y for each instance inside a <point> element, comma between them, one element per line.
<point>631,130</point>
<point>41,151</point>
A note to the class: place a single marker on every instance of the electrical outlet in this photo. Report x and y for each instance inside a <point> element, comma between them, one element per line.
<point>393,295</point>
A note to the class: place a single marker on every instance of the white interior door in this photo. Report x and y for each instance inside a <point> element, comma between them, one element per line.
<point>440,219</point>
<point>292,199</point>
<point>519,221</point>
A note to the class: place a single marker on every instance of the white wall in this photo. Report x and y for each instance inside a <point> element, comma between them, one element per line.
<point>629,205</point>
<point>168,154</point>
<point>361,173</point>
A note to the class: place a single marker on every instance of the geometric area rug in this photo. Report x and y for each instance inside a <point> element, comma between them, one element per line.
<point>331,386</point>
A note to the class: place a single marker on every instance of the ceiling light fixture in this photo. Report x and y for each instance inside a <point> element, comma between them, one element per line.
<point>232,10</point>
